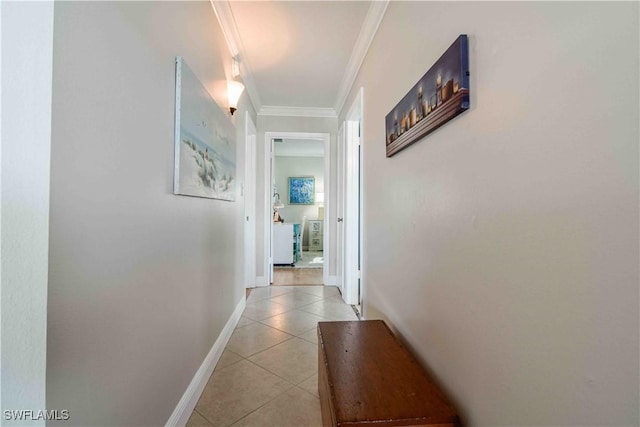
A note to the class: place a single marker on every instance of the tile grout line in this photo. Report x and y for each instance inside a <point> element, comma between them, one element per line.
<point>323,319</point>
<point>295,335</point>
<point>261,406</point>
<point>270,347</point>
<point>205,418</point>
<point>289,311</point>
<point>271,316</point>
<point>270,299</point>
<point>295,288</point>
<point>267,349</point>
<point>284,379</point>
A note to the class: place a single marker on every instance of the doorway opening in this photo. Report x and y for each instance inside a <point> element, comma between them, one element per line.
<point>297,224</point>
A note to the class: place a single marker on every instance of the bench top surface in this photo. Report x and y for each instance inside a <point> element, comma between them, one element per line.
<point>372,376</point>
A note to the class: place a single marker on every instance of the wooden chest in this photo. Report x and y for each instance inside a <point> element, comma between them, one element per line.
<point>365,375</point>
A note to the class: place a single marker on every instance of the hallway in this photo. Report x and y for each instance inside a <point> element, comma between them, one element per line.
<point>267,375</point>
<point>502,246</point>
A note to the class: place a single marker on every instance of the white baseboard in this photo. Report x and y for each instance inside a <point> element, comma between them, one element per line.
<point>187,403</point>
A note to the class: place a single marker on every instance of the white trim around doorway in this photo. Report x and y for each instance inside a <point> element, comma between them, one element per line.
<point>353,276</point>
<point>249,195</point>
<point>268,188</point>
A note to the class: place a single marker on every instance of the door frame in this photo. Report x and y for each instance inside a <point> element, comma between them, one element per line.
<point>268,200</point>
<point>353,282</point>
<point>340,191</point>
<point>249,193</point>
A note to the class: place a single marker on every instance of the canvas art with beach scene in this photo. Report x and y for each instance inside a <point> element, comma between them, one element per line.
<point>205,149</point>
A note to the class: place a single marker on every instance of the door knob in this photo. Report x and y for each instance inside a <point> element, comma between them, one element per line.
<point>339,219</point>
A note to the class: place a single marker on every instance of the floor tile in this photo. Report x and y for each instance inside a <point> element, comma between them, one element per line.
<point>294,360</point>
<point>331,310</point>
<point>197,420</point>
<point>336,299</point>
<point>282,413</point>
<point>310,385</point>
<point>255,338</point>
<point>261,390</point>
<point>319,291</point>
<point>311,335</point>
<point>265,292</point>
<point>244,321</point>
<point>263,309</point>
<point>236,391</point>
<point>295,299</point>
<point>228,358</point>
<point>294,322</point>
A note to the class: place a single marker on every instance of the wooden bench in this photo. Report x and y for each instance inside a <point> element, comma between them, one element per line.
<point>367,377</point>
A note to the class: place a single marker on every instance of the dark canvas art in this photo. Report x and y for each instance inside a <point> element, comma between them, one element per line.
<point>440,95</point>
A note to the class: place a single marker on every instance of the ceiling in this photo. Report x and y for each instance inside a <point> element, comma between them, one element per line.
<point>299,56</point>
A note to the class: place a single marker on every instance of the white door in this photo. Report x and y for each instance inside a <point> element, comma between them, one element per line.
<point>272,201</point>
<point>250,204</point>
<point>340,209</point>
<point>352,200</point>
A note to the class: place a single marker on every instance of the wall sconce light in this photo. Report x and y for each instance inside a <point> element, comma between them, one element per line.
<point>277,204</point>
<point>234,90</point>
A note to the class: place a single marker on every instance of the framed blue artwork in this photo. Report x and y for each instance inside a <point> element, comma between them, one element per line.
<point>440,95</point>
<point>301,190</point>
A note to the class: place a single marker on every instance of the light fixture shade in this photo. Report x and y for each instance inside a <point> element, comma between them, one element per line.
<point>234,90</point>
<point>277,204</point>
<point>320,198</point>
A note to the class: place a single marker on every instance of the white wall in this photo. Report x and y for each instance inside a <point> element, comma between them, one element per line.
<point>27,49</point>
<point>504,246</point>
<point>286,167</point>
<point>141,282</point>
<point>292,124</point>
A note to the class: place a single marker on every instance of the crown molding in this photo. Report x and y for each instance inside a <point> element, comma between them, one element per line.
<point>363,42</point>
<point>274,110</point>
<point>222,9</point>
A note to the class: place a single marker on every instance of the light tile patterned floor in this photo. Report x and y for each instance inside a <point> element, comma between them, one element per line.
<point>268,373</point>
